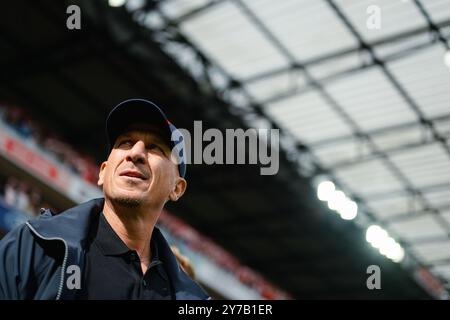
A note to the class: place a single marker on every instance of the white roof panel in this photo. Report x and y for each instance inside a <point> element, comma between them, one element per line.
<point>445,31</point>
<point>390,49</point>
<point>330,154</point>
<point>393,206</point>
<point>443,127</point>
<point>176,8</point>
<point>442,270</point>
<point>370,100</point>
<point>438,198</point>
<point>418,227</point>
<point>426,79</point>
<point>430,252</point>
<point>395,16</point>
<point>394,139</point>
<point>446,214</point>
<point>368,177</point>
<point>272,86</point>
<point>336,65</point>
<point>229,38</point>
<point>424,166</point>
<point>439,10</point>
<point>295,23</point>
<point>308,117</point>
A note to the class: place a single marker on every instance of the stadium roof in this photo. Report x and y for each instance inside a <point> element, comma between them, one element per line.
<point>368,109</point>
<point>370,104</point>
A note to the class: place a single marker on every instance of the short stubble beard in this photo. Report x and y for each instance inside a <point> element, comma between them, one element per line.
<point>128,202</point>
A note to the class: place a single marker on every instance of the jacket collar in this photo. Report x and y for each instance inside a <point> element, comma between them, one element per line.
<point>72,226</point>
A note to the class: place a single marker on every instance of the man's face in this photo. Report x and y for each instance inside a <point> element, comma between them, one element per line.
<point>139,170</point>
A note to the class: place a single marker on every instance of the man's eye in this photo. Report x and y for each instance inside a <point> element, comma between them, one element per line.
<point>124,143</point>
<point>155,147</point>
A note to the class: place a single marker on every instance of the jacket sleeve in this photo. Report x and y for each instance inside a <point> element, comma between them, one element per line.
<point>15,251</point>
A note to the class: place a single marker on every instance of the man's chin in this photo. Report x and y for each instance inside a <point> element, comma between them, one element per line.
<point>128,202</point>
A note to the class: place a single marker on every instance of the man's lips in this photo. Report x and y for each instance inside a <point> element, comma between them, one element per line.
<point>133,174</point>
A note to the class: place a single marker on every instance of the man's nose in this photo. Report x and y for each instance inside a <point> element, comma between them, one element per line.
<point>137,153</point>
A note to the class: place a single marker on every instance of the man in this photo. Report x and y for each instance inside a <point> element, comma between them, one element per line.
<point>109,248</point>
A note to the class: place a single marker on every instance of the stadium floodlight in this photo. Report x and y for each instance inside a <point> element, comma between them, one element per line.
<point>398,255</point>
<point>375,235</point>
<point>396,252</point>
<point>325,190</point>
<point>391,249</point>
<point>387,246</point>
<point>349,210</point>
<point>337,200</point>
<point>379,238</point>
<point>116,3</point>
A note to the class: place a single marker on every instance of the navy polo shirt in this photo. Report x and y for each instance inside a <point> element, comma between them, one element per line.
<point>113,271</point>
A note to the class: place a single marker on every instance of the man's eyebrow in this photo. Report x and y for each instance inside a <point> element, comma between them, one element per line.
<point>161,142</point>
<point>153,135</point>
<point>158,139</point>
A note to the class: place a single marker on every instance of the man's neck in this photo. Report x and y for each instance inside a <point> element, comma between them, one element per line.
<point>133,228</point>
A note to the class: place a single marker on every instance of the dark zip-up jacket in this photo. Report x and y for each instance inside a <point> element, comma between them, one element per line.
<point>37,259</point>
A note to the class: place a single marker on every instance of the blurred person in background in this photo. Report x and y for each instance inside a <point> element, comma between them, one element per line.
<point>109,248</point>
<point>10,192</point>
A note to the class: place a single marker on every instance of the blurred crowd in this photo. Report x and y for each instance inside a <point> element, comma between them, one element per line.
<point>21,196</point>
<point>32,132</point>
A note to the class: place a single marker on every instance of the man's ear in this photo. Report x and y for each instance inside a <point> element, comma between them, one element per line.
<point>178,191</point>
<point>101,174</point>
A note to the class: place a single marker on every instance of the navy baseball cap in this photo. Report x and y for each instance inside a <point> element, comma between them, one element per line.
<point>133,111</point>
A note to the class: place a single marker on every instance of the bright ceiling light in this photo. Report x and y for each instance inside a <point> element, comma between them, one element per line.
<point>398,255</point>
<point>379,238</point>
<point>375,235</point>
<point>337,200</point>
<point>395,252</point>
<point>387,246</point>
<point>325,190</point>
<point>349,210</point>
<point>116,3</point>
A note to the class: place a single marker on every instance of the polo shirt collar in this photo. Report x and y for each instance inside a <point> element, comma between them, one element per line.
<point>111,245</point>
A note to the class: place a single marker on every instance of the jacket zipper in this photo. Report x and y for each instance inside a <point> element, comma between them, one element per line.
<point>61,283</point>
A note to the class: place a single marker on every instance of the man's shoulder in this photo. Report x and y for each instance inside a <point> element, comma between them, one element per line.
<point>71,225</point>
<point>26,260</point>
<point>15,237</point>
